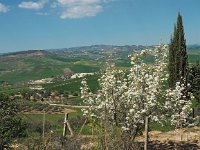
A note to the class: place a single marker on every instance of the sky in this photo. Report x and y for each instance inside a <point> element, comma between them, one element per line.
<point>49,24</point>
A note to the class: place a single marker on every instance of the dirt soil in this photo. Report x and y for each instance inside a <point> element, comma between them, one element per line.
<point>173,145</point>
<point>65,110</point>
<point>181,139</point>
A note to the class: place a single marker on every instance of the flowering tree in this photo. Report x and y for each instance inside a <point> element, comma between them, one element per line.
<point>125,100</point>
<point>110,98</point>
<point>178,105</point>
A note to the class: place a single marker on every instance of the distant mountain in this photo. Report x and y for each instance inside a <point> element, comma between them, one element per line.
<point>194,46</point>
<point>81,48</point>
<point>89,48</point>
<point>96,48</point>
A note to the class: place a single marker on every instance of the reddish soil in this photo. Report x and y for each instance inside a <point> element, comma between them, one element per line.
<point>182,139</point>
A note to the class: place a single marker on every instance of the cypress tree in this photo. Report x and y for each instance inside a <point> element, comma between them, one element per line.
<point>171,64</point>
<point>178,59</point>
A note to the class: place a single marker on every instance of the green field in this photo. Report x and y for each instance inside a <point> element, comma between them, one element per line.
<point>19,69</point>
<point>17,72</point>
<point>54,122</point>
<point>73,84</point>
<point>37,68</point>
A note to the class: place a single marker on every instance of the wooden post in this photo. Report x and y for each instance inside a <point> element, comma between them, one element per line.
<point>64,128</point>
<point>67,124</point>
<point>70,129</point>
<point>146,133</point>
<point>105,130</point>
<point>82,127</point>
<point>181,134</point>
<point>43,129</point>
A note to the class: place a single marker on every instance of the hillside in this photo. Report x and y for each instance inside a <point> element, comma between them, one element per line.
<point>34,64</point>
<point>23,66</point>
<point>62,95</point>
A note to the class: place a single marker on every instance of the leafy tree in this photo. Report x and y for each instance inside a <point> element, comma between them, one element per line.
<point>194,81</point>
<point>124,101</point>
<point>11,125</point>
<point>66,94</point>
<point>47,93</point>
<point>178,59</point>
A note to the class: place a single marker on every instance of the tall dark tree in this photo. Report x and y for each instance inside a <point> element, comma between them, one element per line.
<point>178,59</point>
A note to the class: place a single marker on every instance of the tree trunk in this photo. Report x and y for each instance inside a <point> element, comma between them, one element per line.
<point>146,133</point>
<point>193,112</point>
<point>115,118</point>
<point>43,129</point>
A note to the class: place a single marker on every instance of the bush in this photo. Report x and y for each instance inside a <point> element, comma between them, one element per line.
<point>77,122</point>
<point>11,125</point>
<point>75,93</point>
<point>38,127</point>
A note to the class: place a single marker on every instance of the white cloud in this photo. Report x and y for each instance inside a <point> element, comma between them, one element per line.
<point>54,5</point>
<point>33,5</point>
<point>42,14</point>
<point>78,2</point>
<point>71,9</point>
<point>74,9</point>
<point>3,8</point>
<point>81,11</point>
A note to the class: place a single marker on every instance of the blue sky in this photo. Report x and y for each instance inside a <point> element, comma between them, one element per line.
<point>46,24</point>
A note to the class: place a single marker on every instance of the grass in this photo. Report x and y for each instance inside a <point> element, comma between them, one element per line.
<point>193,58</point>
<point>11,90</point>
<point>158,127</point>
<point>56,120</point>
<point>79,68</point>
<point>33,72</point>
<point>34,68</point>
<point>75,101</point>
<point>73,85</point>
<point>123,63</point>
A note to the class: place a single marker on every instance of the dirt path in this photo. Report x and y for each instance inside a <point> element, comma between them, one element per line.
<point>173,145</point>
<point>71,106</point>
<point>181,139</point>
<point>65,110</point>
<point>186,134</point>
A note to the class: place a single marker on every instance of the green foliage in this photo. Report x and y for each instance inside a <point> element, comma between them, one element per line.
<point>54,121</point>
<point>33,68</point>
<point>37,127</point>
<point>75,101</point>
<point>11,125</point>
<point>178,59</point>
<point>77,122</point>
<point>194,81</point>
<point>73,85</point>
<point>193,58</point>
<point>163,128</point>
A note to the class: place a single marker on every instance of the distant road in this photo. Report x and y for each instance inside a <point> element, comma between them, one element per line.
<point>71,106</point>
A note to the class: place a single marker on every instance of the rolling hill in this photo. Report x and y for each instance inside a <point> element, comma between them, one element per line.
<point>20,67</point>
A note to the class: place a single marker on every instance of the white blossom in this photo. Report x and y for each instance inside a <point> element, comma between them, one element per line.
<point>134,96</point>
